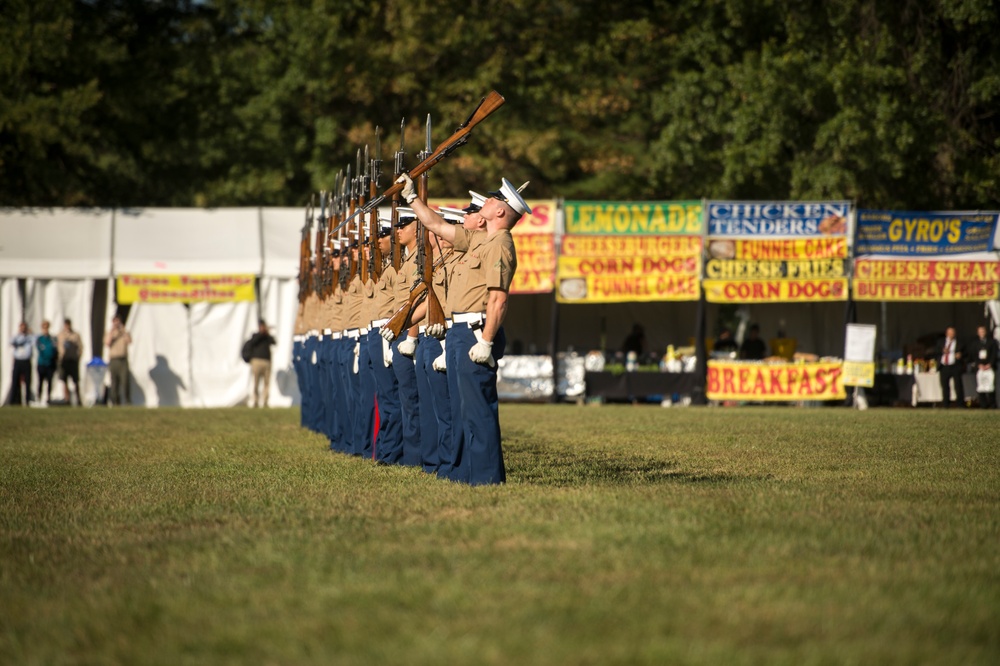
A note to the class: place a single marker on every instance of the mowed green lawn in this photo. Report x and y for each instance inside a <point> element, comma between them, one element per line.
<point>625,535</point>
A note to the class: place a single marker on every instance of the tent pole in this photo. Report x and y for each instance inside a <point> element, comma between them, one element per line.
<point>698,396</point>
<point>554,348</point>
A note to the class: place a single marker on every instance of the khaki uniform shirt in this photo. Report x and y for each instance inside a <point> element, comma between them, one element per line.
<point>300,323</point>
<point>311,315</point>
<point>385,293</point>
<point>442,279</point>
<point>487,262</point>
<point>368,302</point>
<point>328,308</point>
<point>353,299</point>
<point>405,277</point>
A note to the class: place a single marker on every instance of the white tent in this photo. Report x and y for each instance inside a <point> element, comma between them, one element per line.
<point>59,253</point>
<point>281,231</point>
<point>189,356</point>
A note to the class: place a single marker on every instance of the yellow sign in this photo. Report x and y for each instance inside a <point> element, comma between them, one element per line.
<point>775,291</point>
<point>876,280</point>
<point>787,249</point>
<point>185,288</point>
<point>729,380</point>
<point>859,374</point>
<point>609,269</point>
<point>870,290</point>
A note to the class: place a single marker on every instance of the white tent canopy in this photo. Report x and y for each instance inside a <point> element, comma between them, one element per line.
<point>281,229</point>
<point>187,241</point>
<point>55,243</point>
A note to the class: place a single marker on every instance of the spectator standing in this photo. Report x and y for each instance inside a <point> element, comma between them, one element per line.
<point>725,344</point>
<point>260,362</point>
<point>635,341</point>
<point>46,362</point>
<point>117,340</point>
<point>950,354</point>
<point>753,348</point>
<point>985,351</point>
<point>69,346</point>
<point>23,343</point>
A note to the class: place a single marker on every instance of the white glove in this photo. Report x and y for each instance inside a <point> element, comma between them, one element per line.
<point>436,331</point>
<point>386,353</point>
<point>439,364</point>
<point>386,333</point>
<point>408,193</point>
<point>482,353</point>
<point>357,350</point>
<point>408,347</point>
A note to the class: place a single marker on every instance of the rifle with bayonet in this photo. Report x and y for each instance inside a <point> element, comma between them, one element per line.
<point>373,225</point>
<point>349,186</point>
<point>320,234</point>
<point>397,255</point>
<point>329,278</point>
<point>486,107</point>
<point>435,313</point>
<point>305,253</point>
<point>362,241</point>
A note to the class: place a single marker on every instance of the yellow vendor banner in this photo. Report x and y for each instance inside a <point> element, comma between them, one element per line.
<point>775,291</point>
<point>925,280</point>
<point>786,382</point>
<point>611,269</point>
<point>185,288</point>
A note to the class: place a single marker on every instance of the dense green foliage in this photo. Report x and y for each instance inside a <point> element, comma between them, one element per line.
<point>624,536</point>
<point>248,102</point>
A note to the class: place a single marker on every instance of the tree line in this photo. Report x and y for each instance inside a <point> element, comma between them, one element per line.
<point>260,102</point>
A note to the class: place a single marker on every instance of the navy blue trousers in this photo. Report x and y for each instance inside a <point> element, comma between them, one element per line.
<point>435,409</point>
<point>298,349</point>
<point>389,440</point>
<point>364,415</point>
<point>474,408</point>
<point>351,384</point>
<point>409,403</point>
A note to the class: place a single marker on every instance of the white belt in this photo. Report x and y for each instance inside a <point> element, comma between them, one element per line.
<point>364,330</point>
<point>336,335</point>
<point>447,324</point>
<point>379,323</point>
<point>298,338</point>
<point>320,337</point>
<point>312,333</point>
<point>327,331</point>
<point>468,317</point>
<point>351,333</point>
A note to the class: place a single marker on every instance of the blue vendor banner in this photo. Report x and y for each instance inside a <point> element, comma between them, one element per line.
<point>777,219</point>
<point>915,234</point>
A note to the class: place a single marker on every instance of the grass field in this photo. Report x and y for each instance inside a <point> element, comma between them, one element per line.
<point>624,535</point>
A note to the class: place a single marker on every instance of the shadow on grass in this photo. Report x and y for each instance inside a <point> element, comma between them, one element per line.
<point>541,465</point>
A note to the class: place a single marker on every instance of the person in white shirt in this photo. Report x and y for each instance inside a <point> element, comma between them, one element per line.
<point>23,344</point>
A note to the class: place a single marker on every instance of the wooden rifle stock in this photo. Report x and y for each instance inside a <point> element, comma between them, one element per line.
<point>398,321</point>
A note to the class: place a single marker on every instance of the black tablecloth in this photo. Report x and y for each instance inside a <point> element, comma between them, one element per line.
<point>896,389</point>
<point>638,385</point>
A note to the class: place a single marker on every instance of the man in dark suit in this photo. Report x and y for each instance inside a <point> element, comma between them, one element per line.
<point>951,361</point>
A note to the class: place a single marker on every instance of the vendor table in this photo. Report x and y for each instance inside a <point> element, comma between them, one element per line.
<point>638,385</point>
<point>916,388</point>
